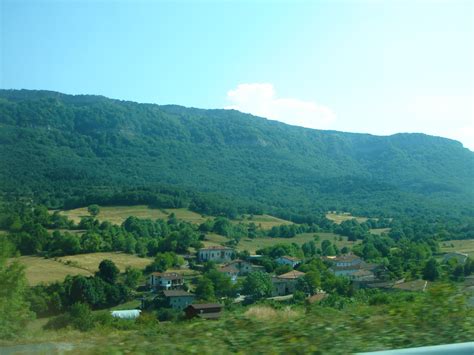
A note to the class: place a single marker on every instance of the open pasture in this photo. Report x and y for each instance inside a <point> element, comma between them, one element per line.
<point>118,214</point>
<point>338,218</point>
<point>40,270</point>
<point>465,246</point>
<point>258,243</point>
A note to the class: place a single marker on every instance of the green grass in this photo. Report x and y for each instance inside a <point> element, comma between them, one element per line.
<point>254,244</point>
<point>379,231</point>
<point>264,221</point>
<point>40,270</point>
<point>463,246</point>
<point>118,214</point>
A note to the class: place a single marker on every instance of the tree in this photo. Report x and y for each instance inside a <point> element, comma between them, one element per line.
<point>205,289</point>
<point>94,210</point>
<point>258,285</point>
<point>309,283</point>
<point>132,276</point>
<point>14,309</point>
<point>81,317</point>
<point>221,282</point>
<point>431,271</point>
<point>108,271</point>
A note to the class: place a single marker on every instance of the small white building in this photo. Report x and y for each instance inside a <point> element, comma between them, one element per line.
<point>218,254</point>
<point>288,260</point>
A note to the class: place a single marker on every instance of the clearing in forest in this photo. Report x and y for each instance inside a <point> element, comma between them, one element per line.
<point>258,243</point>
<point>341,217</point>
<point>40,270</point>
<point>465,246</point>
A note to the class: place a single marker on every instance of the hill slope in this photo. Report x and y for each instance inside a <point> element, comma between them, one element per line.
<point>55,146</point>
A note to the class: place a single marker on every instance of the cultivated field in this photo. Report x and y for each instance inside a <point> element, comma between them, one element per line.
<point>341,217</point>
<point>254,244</point>
<point>118,214</point>
<point>41,270</point>
<point>462,246</point>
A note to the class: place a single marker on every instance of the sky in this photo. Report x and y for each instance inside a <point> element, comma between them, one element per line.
<point>379,67</point>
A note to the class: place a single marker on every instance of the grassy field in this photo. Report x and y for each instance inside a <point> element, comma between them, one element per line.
<point>254,244</point>
<point>41,270</point>
<point>91,261</point>
<point>379,231</point>
<point>118,214</point>
<point>265,221</point>
<point>341,217</point>
<point>463,246</point>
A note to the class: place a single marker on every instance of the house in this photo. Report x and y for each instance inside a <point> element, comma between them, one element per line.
<point>178,299</point>
<point>285,284</point>
<point>241,267</point>
<point>460,257</point>
<point>362,275</point>
<point>205,311</point>
<point>345,260</point>
<point>165,280</point>
<point>218,254</point>
<point>351,266</point>
<point>288,260</point>
<point>231,271</point>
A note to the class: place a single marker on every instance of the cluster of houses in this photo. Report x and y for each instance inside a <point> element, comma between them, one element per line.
<point>171,286</point>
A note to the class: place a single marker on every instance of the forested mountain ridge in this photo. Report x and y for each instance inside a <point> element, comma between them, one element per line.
<point>57,146</point>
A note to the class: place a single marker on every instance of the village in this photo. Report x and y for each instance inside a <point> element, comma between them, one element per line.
<point>172,290</point>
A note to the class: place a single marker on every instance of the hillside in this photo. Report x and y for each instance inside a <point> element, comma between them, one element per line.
<point>56,147</point>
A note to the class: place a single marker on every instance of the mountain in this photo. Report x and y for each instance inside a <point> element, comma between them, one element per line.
<point>56,146</point>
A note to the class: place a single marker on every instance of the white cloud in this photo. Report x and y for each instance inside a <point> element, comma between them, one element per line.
<point>260,99</point>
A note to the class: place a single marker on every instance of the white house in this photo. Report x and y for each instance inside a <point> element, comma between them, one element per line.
<point>288,260</point>
<point>165,280</point>
<point>218,254</point>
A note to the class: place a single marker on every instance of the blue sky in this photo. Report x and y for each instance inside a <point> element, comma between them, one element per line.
<point>362,66</point>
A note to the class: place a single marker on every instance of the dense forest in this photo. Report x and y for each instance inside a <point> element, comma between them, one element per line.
<point>69,151</point>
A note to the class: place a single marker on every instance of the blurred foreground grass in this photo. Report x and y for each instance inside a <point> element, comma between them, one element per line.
<point>439,316</point>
